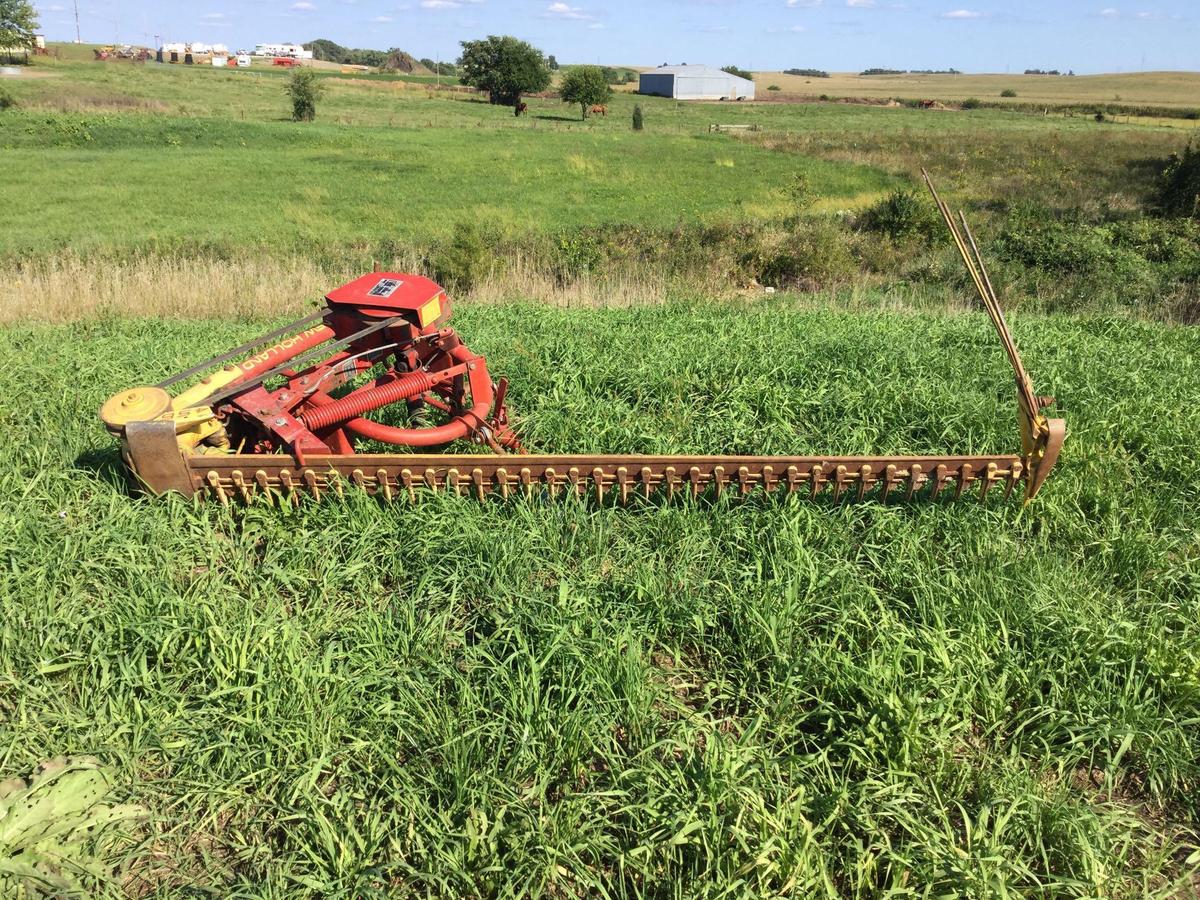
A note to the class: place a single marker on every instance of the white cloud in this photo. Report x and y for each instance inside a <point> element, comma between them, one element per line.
<point>860,4</point>
<point>440,4</point>
<point>560,10</point>
<point>962,14</point>
<point>795,4</point>
<point>213,17</point>
<point>1109,12</point>
<point>382,20</point>
<point>304,6</point>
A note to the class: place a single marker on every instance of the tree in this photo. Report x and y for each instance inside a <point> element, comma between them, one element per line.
<point>585,85</point>
<point>552,63</point>
<point>740,73</point>
<point>504,67</point>
<point>305,91</point>
<point>325,49</point>
<point>637,118</point>
<point>18,23</point>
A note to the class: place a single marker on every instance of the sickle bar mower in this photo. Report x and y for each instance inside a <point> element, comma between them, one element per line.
<point>282,417</point>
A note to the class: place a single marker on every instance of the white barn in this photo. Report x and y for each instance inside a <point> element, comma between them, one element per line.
<point>695,83</point>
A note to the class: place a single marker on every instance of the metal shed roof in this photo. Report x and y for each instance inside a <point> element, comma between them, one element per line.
<point>701,71</point>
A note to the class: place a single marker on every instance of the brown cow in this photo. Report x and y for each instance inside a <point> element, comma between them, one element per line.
<point>521,108</point>
<point>600,109</point>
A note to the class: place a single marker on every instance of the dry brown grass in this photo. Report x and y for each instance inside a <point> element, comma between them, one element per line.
<point>66,288</point>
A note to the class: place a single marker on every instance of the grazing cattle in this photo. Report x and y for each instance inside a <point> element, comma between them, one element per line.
<point>520,109</point>
<point>600,109</point>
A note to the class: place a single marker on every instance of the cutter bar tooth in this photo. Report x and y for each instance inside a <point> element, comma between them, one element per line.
<point>939,481</point>
<point>914,480</point>
<point>214,481</point>
<point>239,484</point>
<point>1014,475</point>
<point>839,482</point>
<point>964,479</point>
<point>864,481</point>
<point>264,485</point>
<point>890,480</point>
<point>985,483</point>
<point>745,481</point>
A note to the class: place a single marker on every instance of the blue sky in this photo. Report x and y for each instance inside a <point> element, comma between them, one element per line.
<point>838,35</point>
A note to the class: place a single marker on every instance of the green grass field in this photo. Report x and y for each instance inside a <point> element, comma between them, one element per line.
<point>162,182</point>
<point>769,697</point>
<point>709,698</point>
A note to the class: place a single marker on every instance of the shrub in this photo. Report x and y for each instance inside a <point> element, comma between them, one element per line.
<point>1179,184</point>
<point>1174,243</point>
<point>305,91</point>
<point>637,118</point>
<point>1100,117</point>
<point>902,214</point>
<point>1008,92</point>
<point>576,254</point>
<point>459,265</point>
<point>816,255</point>
<point>972,103</point>
<point>1033,238</point>
<point>801,191</point>
<point>7,100</point>
<point>772,87</point>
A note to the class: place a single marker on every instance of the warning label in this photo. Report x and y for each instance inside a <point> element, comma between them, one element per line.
<point>385,287</point>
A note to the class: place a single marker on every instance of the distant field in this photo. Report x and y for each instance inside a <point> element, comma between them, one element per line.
<point>180,156</point>
<point>1180,89</point>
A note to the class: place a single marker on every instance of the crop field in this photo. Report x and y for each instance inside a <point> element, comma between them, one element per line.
<point>1168,89</point>
<point>697,697</point>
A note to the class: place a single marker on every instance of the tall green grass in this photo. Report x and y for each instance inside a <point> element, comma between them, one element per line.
<point>677,699</point>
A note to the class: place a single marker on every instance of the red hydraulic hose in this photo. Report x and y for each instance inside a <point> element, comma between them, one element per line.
<point>407,386</point>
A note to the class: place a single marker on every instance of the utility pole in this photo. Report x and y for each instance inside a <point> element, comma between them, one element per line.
<point>78,39</point>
